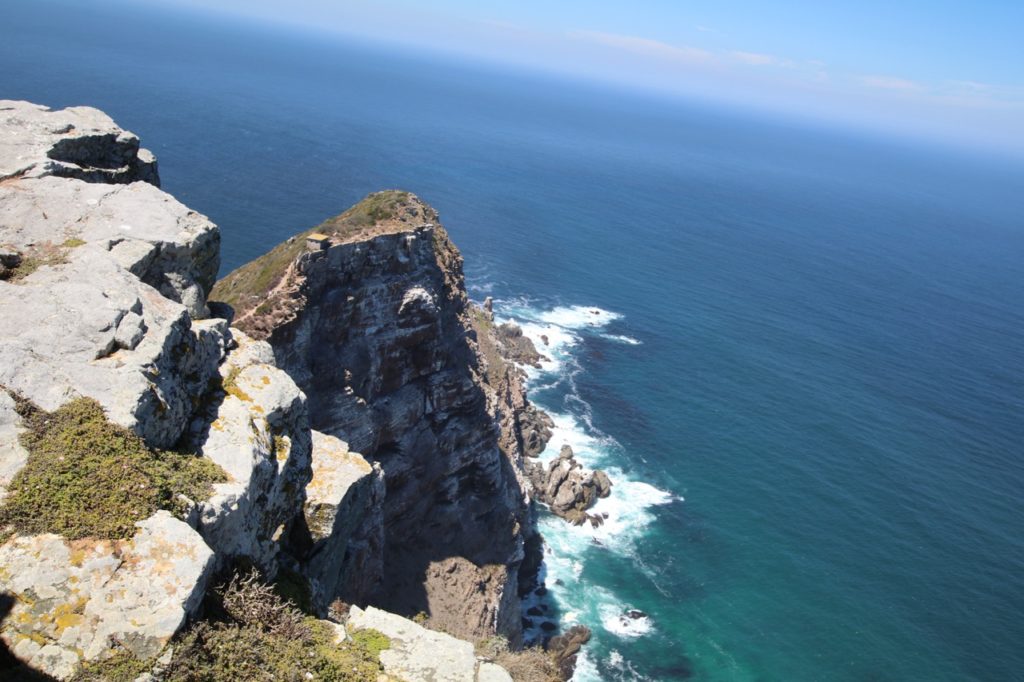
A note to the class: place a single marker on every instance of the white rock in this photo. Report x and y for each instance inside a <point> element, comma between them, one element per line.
<point>12,455</point>
<point>421,655</point>
<point>83,597</point>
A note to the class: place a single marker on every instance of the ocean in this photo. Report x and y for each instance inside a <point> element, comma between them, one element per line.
<point>796,349</point>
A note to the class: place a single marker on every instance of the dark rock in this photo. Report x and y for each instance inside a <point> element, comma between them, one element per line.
<point>541,591</point>
<point>548,626</point>
<point>636,614</point>
<point>535,611</point>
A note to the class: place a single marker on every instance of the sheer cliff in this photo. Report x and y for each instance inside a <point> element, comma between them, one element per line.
<point>368,314</point>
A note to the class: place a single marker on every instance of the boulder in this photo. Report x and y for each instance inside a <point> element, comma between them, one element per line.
<point>568,488</point>
<point>417,653</point>
<point>80,601</point>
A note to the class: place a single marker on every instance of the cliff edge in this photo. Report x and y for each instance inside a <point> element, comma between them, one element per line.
<point>368,313</point>
<point>173,503</point>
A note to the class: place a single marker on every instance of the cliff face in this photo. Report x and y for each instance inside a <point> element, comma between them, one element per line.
<point>374,325</point>
<point>109,353</point>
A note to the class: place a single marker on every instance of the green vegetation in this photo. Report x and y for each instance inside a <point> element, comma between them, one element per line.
<point>483,326</point>
<point>73,242</point>
<point>266,638</point>
<point>121,667</point>
<point>87,477</point>
<point>380,212</point>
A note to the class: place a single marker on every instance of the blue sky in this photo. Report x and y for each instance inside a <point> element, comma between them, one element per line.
<point>950,68</point>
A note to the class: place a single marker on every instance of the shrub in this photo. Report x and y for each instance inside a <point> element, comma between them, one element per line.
<point>87,477</point>
<point>268,639</point>
<point>121,667</point>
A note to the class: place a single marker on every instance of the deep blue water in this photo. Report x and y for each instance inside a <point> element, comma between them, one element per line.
<point>812,396</point>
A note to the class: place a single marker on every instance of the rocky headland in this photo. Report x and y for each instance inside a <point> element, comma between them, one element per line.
<point>318,455</point>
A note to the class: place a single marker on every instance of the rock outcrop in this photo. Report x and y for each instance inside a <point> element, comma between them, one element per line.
<point>417,653</point>
<point>341,548</point>
<point>371,320</point>
<point>411,491</point>
<point>103,294</point>
<point>76,600</point>
<point>568,488</point>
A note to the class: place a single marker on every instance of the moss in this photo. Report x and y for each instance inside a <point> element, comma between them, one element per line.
<point>282,447</point>
<point>371,640</point>
<point>87,477</point>
<point>73,243</point>
<point>121,667</point>
<point>230,385</point>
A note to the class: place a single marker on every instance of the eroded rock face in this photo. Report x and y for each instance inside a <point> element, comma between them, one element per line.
<point>105,281</point>
<point>417,653</point>
<point>259,434</point>
<point>375,329</point>
<point>342,548</point>
<point>74,601</point>
<point>12,455</point>
<point>77,142</point>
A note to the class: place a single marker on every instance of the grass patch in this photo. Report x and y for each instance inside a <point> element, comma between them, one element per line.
<point>36,257</point>
<point>73,243</point>
<point>87,477</point>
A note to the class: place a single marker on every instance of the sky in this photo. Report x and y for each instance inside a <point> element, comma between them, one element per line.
<point>939,67</point>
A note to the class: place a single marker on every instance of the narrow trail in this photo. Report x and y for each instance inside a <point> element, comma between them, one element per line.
<point>285,281</point>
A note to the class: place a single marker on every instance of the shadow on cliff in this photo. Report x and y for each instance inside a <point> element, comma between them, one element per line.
<point>451,574</point>
<point>10,667</point>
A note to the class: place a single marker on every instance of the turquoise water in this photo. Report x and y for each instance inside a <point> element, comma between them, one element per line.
<point>805,372</point>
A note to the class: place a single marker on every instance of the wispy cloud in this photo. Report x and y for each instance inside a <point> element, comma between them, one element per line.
<point>645,46</point>
<point>758,59</point>
<point>890,83</point>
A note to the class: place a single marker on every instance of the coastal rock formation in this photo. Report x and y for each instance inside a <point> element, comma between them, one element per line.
<point>77,142</point>
<point>417,653</point>
<point>258,432</point>
<point>75,600</point>
<point>342,546</point>
<point>365,334</point>
<point>370,317</point>
<point>568,488</point>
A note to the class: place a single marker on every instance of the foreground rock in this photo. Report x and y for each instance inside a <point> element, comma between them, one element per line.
<point>344,522</point>
<point>74,601</point>
<point>77,142</point>
<point>417,653</point>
